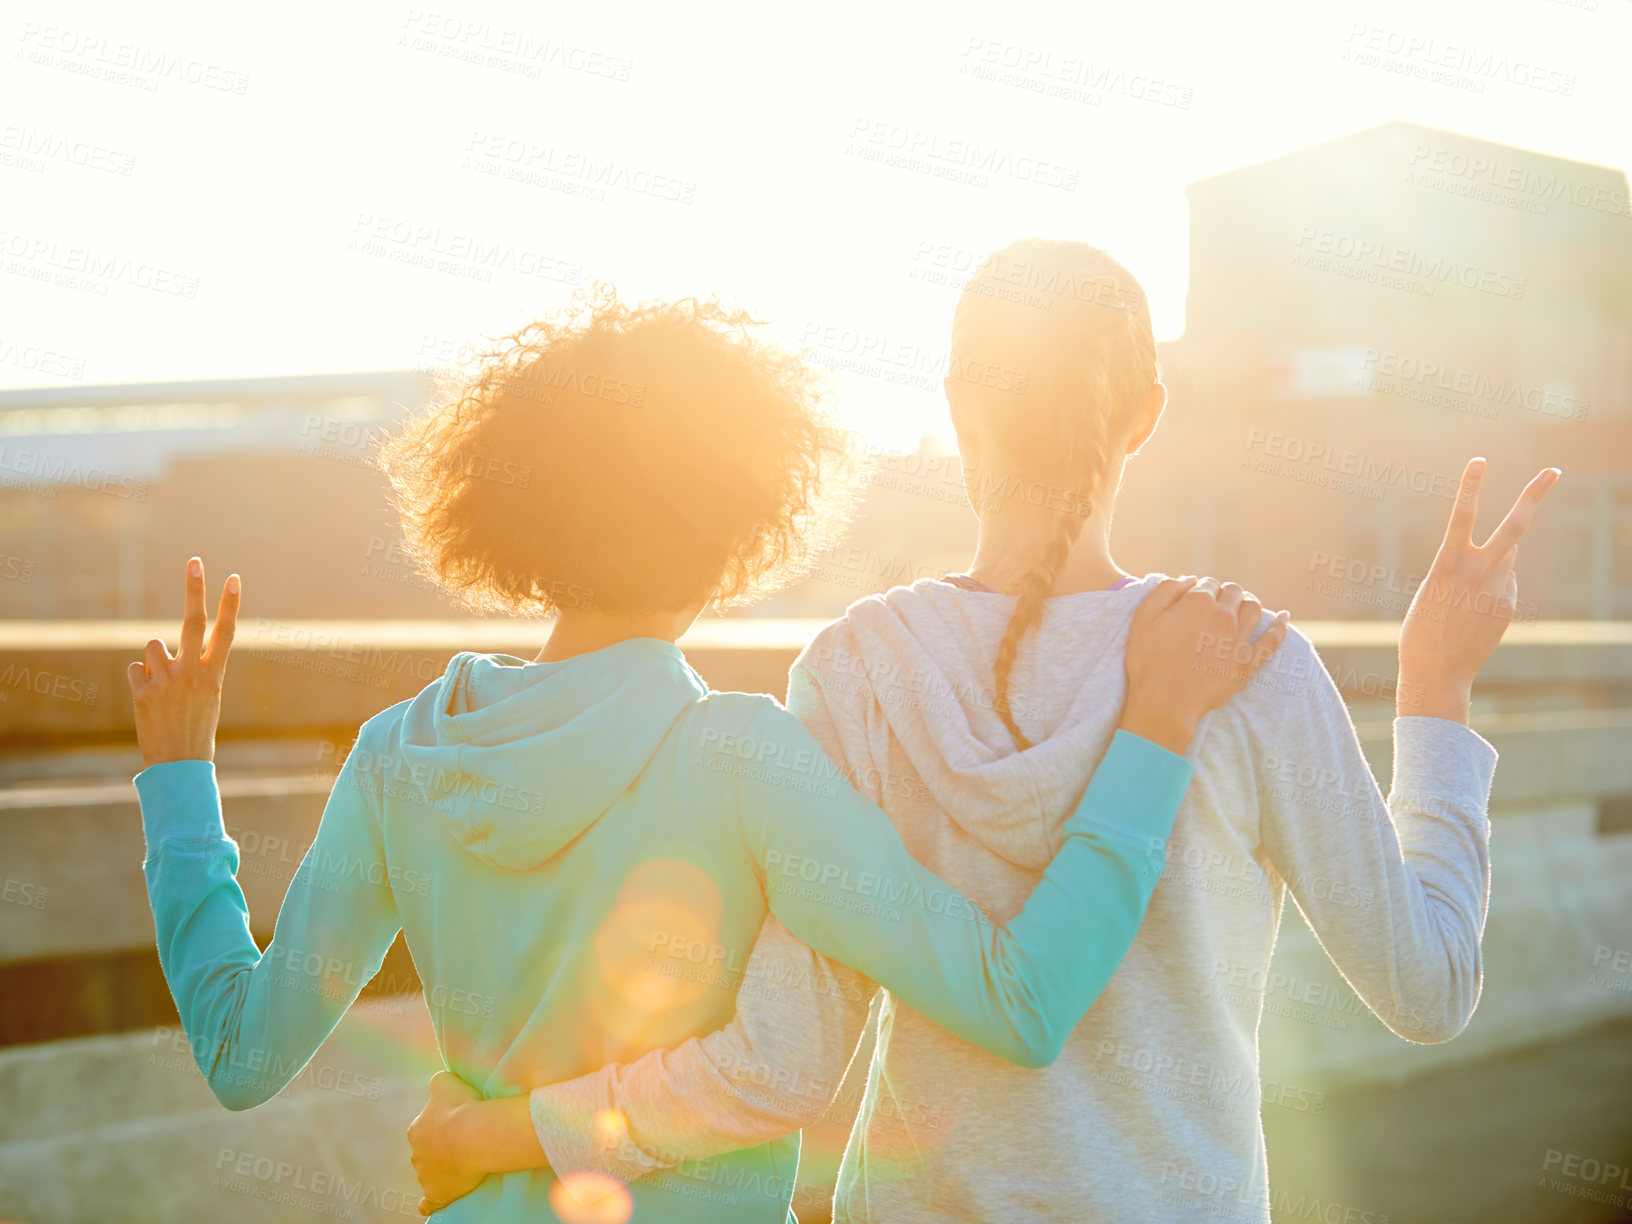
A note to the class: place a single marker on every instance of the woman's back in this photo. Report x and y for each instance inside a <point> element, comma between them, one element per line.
<point>1151,1112</point>
<point>602,905</point>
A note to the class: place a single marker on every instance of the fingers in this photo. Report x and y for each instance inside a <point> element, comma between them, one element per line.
<point>192,620</point>
<point>1518,518</point>
<point>1250,613</point>
<point>1166,594</point>
<point>1271,640</point>
<point>1230,597</point>
<point>226,623</point>
<point>137,674</point>
<point>158,657</point>
<point>1459,531</point>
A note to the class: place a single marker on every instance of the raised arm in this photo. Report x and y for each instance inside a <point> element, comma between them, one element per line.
<point>253,1020</point>
<point>1397,891</point>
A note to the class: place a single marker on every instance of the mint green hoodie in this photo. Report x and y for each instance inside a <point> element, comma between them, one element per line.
<point>580,855</point>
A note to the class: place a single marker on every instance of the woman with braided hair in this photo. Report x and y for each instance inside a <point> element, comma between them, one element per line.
<point>580,851</point>
<point>1034,476</point>
<point>1151,1111</point>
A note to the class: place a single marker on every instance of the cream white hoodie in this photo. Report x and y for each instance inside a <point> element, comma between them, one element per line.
<point>1152,1111</point>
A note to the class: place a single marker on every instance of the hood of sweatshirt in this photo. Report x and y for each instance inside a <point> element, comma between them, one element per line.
<point>473,743</point>
<point>928,650</point>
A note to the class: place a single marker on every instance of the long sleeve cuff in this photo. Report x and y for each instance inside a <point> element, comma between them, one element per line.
<point>1136,791</point>
<point>1441,757</point>
<point>579,1127</point>
<point>180,802</point>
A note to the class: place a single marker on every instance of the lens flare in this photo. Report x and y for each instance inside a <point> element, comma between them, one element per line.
<point>584,1197</point>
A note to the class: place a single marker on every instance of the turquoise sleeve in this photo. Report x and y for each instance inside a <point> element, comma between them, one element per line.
<point>255,1020</point>
<point>840,879</point>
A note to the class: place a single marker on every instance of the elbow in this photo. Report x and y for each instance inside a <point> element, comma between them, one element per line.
<point>239,1093</point>
<point>1442,1027</point>
<point>1037,1051</point>
<point>1435,1034</point>
<point>1435,1025</point>
<point>237,1100</point>
<point>1039,1060</point>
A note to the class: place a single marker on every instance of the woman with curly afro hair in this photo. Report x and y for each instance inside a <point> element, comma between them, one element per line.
<point>581,849</point>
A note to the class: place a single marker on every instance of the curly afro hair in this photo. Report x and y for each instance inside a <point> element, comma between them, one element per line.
<point>632,459</point>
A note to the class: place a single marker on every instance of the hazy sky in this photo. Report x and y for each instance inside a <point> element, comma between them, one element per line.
<point>210,194</point>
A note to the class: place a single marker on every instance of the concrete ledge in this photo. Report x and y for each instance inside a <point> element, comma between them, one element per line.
<point>63,681</point>
<point>73,849</point>
<point>79,853</point>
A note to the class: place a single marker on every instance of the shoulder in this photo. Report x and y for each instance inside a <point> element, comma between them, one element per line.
<point>836,652</point>
<point>381,731</point>
<point>833,650</point>
<point>724,722</point>
<point>1291,689</point>
<point>379,743</point>
<point>754,739</point>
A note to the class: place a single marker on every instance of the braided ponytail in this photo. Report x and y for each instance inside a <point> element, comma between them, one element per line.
<point>1088,364</point>
<point>1034,588</point>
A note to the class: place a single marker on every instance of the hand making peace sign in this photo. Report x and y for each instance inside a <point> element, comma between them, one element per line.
<point>1465,602</point>
<point>178,698</point>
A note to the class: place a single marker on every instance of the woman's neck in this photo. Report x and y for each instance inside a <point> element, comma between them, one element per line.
<point>1005,551</point>
<point>581,630</point>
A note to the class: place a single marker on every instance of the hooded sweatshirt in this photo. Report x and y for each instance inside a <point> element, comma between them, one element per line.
<point>1152,1111</point>
<point>580,855</point>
